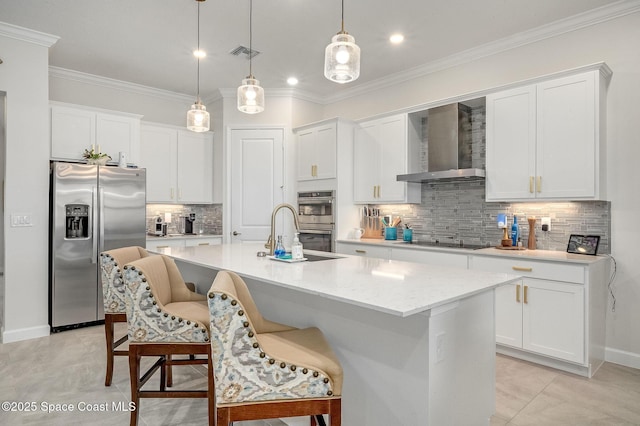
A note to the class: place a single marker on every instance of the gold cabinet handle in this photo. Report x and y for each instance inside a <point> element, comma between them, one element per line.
<point>518,293</point>
<point>526,287</point>
<point>171,190</point>
<point>539,184</point>
<point>361,251</point>
<point>521,268</point>
<point>162,246</point>
<point>374,191</point>
<point>531,184</point>
<point>378,191</point>
<point>203,244</point>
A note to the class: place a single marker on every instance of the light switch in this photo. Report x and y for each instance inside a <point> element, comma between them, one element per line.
<point>21,220</point>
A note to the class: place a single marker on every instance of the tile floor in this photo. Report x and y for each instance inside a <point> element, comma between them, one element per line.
<point>68,368</point>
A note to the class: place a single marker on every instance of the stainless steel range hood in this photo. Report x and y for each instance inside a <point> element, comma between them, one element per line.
<point>448,146</point>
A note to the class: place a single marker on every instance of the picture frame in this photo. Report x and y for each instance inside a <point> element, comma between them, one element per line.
<point>583,244</point>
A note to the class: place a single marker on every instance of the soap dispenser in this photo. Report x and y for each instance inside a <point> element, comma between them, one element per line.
<point>296,248</point>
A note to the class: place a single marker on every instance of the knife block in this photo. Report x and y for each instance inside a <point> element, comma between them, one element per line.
<point>372,227</point>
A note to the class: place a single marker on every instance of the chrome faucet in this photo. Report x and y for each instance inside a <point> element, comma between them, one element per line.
<point>271,242</point>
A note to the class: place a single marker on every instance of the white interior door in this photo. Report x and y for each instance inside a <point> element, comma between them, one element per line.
<point>256,181</point>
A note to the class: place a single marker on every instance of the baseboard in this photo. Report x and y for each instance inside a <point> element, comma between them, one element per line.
<point>25,333</point>
<point>628,359</point>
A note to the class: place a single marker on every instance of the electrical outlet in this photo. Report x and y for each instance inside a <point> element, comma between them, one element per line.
<point>546,224</point>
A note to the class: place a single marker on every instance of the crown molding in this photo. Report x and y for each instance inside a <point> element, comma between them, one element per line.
<point>111,83</point>
<point>553,29</point>
<point>25,34</point>
<point>563,26</point>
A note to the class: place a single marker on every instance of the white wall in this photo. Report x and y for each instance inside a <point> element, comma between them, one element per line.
<point>614,42</point>
<point>24,78</point>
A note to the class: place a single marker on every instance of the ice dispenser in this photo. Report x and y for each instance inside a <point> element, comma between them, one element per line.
<point>77,220</point>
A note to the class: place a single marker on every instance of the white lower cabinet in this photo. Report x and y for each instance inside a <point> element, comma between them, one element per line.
<point>546,317</point>
<point>441,258</point>
<point>160,243</point>
<point>366,250</point>
<point>554,315</point>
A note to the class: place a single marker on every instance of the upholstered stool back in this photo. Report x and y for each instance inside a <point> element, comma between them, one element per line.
<point>259,360</point>
<point>160,307</point>
<point>111,264</point>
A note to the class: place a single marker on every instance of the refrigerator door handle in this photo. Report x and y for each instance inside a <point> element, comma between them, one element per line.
<point>101,219</point>
<point>94,215</point>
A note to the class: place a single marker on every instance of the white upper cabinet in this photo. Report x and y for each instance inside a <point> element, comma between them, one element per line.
<point>76,128</point>
<point>380,154</point>
<point>179,165</point>
<point>544,140</point>
<point>317,151</point>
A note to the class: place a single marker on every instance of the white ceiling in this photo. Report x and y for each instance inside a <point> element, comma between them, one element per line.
<point>150,42</point>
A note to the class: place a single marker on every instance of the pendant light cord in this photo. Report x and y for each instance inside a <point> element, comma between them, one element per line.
<point>342,31</point>
<point>250,38</point>
<point>199,53</point>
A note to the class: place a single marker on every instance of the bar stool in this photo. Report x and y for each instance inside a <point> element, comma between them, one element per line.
<point>113,289</point>
<point>164,318</point>
<point>264,369</point>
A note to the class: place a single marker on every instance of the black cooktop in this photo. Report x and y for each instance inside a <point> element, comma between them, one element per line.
<point>437,243</point>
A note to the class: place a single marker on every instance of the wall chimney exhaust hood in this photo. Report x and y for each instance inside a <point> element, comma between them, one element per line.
<point>448,146</point>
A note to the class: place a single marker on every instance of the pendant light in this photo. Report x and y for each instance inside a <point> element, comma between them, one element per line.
<point>250,94</point>
<point>197,116</point>
<point>342,57</point>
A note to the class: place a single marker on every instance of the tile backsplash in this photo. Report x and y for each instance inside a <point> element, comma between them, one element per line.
<point>456,210</point>
<point>208,216</point>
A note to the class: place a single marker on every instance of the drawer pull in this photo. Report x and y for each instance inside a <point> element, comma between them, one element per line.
<point>361,251</point>
<point>526,287</point>
<point>539,184</point>
<point>518,293</point>
<point>203,244</point>
<point>521,268</point>
<point>531,184</point>
<point>162,246</point>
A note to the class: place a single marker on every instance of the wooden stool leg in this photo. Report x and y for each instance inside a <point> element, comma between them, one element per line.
<point>223,417</point>
<point>134,374</point>
<point>335,416</point>
<point>169,370</point>
<point>211,390</point>
<point>108,332</point>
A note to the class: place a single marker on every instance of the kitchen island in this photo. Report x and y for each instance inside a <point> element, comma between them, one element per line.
<point>417,342</point>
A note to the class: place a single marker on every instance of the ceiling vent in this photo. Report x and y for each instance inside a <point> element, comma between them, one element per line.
<point>242,50</point>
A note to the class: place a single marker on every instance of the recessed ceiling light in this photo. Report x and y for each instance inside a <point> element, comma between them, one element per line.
<point>199,53</point>
<point>396,38</point>
<point>292,81</point>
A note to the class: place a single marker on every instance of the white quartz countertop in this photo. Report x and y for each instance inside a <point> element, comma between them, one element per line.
<point>394,287</point>
<point>546,255</point>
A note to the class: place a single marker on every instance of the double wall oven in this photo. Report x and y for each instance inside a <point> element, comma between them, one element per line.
<point>317,219</point>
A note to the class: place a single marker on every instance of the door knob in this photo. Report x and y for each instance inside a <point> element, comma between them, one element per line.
<point>236,233</point>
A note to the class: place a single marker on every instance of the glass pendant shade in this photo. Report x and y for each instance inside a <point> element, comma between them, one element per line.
<point>250,96</point>
<point>342,59</point>
<point>198,118</point>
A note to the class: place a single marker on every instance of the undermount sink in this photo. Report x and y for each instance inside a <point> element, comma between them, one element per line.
<point>317,258</point>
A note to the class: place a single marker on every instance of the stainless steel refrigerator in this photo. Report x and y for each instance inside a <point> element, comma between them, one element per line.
<point>93,209</point>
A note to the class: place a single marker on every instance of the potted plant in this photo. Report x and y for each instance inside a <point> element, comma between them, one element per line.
<point>93,157</point>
